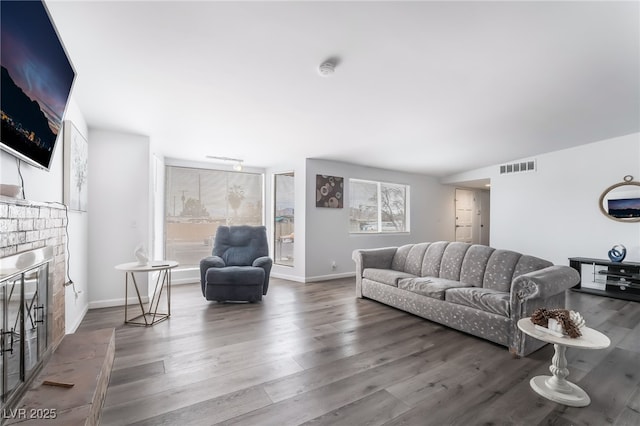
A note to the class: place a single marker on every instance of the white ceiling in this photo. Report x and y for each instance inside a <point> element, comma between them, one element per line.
<point>429,87</point>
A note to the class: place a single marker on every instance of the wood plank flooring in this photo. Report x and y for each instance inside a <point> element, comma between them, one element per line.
<point>313,354</point>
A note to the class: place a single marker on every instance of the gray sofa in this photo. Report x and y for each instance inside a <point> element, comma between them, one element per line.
<point>473,288</point>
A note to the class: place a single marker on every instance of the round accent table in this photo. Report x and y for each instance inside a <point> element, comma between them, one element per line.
<point>556,387</point>
<point>149,316</point>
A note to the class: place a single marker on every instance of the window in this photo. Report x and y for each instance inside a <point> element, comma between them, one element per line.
<point>284,202</point>
<point>378,207</point>
<point>197,201</point>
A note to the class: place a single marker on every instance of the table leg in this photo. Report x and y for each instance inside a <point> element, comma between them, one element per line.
<point>556,387</point>
<point>135,286</point>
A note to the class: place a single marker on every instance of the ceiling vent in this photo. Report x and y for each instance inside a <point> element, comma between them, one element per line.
<point>522,166</point>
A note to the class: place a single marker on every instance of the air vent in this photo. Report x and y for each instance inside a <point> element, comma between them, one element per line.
<point>522,166</point>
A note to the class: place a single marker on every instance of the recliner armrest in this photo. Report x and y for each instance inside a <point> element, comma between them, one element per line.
<point>206,263</point>
<point>212,262</point>
<point>262,262</point>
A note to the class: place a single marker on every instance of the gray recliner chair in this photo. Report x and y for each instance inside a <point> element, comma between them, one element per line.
<point>239,267</point>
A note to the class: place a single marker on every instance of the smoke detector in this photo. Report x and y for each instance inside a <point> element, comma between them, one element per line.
<point>327,68</point>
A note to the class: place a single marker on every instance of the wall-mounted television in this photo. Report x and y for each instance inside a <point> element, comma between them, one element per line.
<point>624,207</point>
<point>36,82</point>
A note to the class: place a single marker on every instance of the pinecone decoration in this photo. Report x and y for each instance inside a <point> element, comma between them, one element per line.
<point>541,317</point>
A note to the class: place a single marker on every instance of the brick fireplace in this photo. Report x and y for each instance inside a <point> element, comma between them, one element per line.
<point>25,226</point>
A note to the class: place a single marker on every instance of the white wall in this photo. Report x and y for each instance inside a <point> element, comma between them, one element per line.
<point>553,213</point>
<point>119,172</point>
<point>327,230</point>
<point>47,187</point>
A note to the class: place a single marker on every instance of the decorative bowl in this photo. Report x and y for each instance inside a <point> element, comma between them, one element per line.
<point>10,190</point>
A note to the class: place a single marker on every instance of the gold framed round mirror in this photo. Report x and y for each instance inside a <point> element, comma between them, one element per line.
<point>621,202</point>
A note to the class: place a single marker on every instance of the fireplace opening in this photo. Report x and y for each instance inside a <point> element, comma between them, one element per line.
<point>24,320</point>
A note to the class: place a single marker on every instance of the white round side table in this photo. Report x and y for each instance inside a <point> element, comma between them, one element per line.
<point>556,387</point>
<point>149,316</point>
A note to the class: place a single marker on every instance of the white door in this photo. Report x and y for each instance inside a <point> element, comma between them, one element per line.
<point>464,204</point>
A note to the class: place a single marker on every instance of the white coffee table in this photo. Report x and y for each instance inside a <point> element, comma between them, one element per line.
<point>149,316</point>
<point>556,387</point>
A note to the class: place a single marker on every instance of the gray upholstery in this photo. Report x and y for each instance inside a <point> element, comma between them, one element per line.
<point>429,286</point>
<point>472,288</point>
<point>400,257</point>
<point>385,276</point>
<point>452,260</point>
<point>499,271</point>
<point>474,264</point>
<point>432,259</point>
<point>485,299</point>
<point>239,267</point>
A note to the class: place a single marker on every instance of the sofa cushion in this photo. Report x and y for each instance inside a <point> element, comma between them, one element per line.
<point>414,259</point>
<point>452,260</point>
<point>432,259</point>
<point>400,258</point>
<point>499,271</point>
<point>428,286</point>
<point>385,276</point>
<point>474,264</point>
<point>484,299</point>
<point>528,264</point>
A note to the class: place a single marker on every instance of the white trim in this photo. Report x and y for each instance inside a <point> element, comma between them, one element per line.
<point>329,277</point>
<point>79,320</point>
<point>287,277</point>
<point>116,302</point>
<point>183,281</point>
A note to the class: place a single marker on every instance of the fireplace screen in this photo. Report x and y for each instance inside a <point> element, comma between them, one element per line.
<point>23,313</point>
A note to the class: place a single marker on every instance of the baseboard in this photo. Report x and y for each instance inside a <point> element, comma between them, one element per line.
<point>79,320</point>
<point>183,281</point>
<point>115,302</point>
<point>330,277</point>
<point>294,278</point>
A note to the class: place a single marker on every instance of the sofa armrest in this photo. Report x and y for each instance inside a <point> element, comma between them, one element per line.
<point>543,283</point>
<point>544,288</point>
<point>380,258</point>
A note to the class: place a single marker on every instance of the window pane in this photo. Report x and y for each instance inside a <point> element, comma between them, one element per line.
<point>197,201</point>
<point>284,201</point>
<point>363,206</point>
<point>393,207</point>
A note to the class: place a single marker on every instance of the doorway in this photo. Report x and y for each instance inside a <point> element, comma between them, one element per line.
<point>472,216</point>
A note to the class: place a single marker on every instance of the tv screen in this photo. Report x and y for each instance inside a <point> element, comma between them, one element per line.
<point>624,207</point>
<point>36,82</point>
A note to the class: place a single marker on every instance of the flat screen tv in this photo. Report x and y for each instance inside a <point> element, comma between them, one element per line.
<point>624,207</point>
<point>36,82</point>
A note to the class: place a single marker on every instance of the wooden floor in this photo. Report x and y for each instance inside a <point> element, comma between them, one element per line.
<point>314,354</point>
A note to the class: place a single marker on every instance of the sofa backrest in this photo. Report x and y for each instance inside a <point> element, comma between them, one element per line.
<point>528,264</point>
<point>432,259</point>
<point>400,257</point>
<point>476,265</point>
<point>414,258</point>
<point>452,258</point>
<point>500,268</point>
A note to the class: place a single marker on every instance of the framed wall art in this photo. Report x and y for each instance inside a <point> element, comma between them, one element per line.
<point>329,191</point>
<point>76,153</point>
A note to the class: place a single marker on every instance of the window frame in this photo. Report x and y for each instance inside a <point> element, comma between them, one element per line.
<point>380,227</point>
<point>171,163</point>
